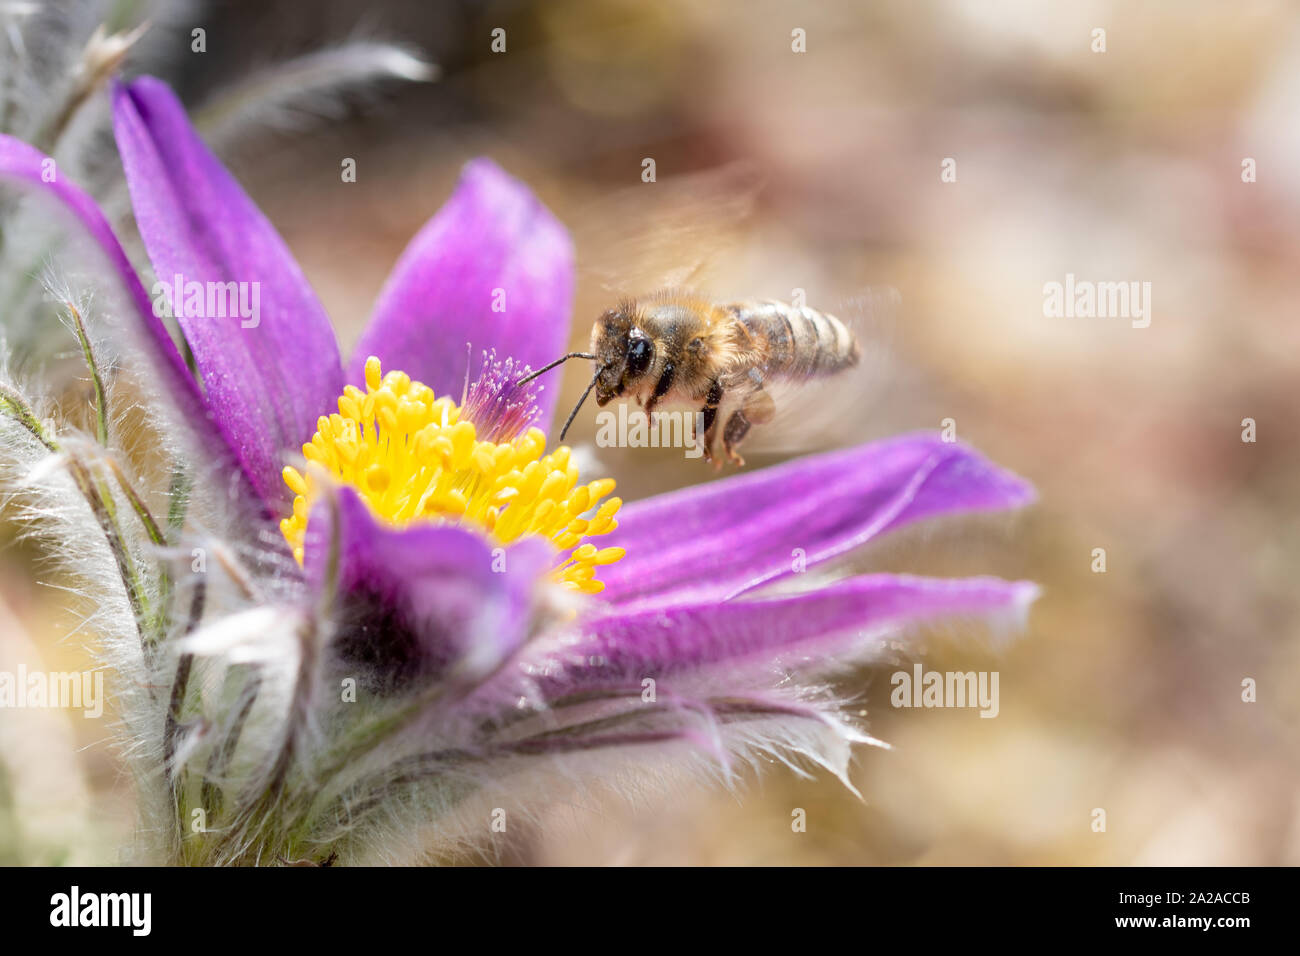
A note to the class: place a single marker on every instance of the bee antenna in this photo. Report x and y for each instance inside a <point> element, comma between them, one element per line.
<point>546,368</point>
<point>587,391</point>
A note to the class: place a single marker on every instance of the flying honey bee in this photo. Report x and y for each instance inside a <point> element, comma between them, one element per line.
<point>677,347</point>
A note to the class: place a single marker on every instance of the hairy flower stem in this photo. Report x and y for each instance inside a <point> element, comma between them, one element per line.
<point>103,503</point>
<point>219,759</point>
<point>156,536</point>
<point>174,707</point>
<point>260,823</point>
<point>137,503</point>
<point>181,683</point>
<point>106,515</point>
<point>15,406</point>
<point>178,494</point>
<point>152,626</point>
<point>101,398</point>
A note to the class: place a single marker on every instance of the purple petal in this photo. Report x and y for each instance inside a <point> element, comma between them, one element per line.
<point>717,540</point>
<point>550,746</point>
<point>26,166</point>
<point>820,630</point>
<point>492,242</point>
<point>269,371</point>
<point>427,601</point>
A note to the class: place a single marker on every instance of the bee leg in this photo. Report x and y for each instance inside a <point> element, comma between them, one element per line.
<point>758,407</point>
<point>662,387</point>
<point>710,412</point>
<point>737,428</point>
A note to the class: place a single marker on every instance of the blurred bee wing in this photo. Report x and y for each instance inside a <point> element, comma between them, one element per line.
<point>666,234</point>
<point>836,411</point>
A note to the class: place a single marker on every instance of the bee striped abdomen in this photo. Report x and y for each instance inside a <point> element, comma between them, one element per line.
<point>797,341</point>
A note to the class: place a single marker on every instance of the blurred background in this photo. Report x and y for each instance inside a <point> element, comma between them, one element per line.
<point>821,170</point>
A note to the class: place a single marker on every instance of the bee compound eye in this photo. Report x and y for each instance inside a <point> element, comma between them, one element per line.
<point>639,351</point>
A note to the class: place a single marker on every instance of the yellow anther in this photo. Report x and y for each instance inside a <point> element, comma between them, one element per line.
<point>483,459</point>
<point>579,501</point>
<point>411,458</point>
<point>462,443</point>
<point>600,487</point>
<point>297,484</point>
<point>555,485</point>
<point>445,449</point>
<point>377,479</point>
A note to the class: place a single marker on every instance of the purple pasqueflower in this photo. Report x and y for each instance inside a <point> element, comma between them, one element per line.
<point>445,568</point>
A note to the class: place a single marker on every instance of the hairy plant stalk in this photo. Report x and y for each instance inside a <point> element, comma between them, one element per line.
<point>16,407</point>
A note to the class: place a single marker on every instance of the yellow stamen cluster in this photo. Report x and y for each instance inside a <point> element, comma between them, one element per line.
<point>411,458</point>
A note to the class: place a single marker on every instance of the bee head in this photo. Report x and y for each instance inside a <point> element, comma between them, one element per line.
<point>624,352</point>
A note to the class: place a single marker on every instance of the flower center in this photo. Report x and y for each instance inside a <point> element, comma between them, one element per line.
<point>413,457</point>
